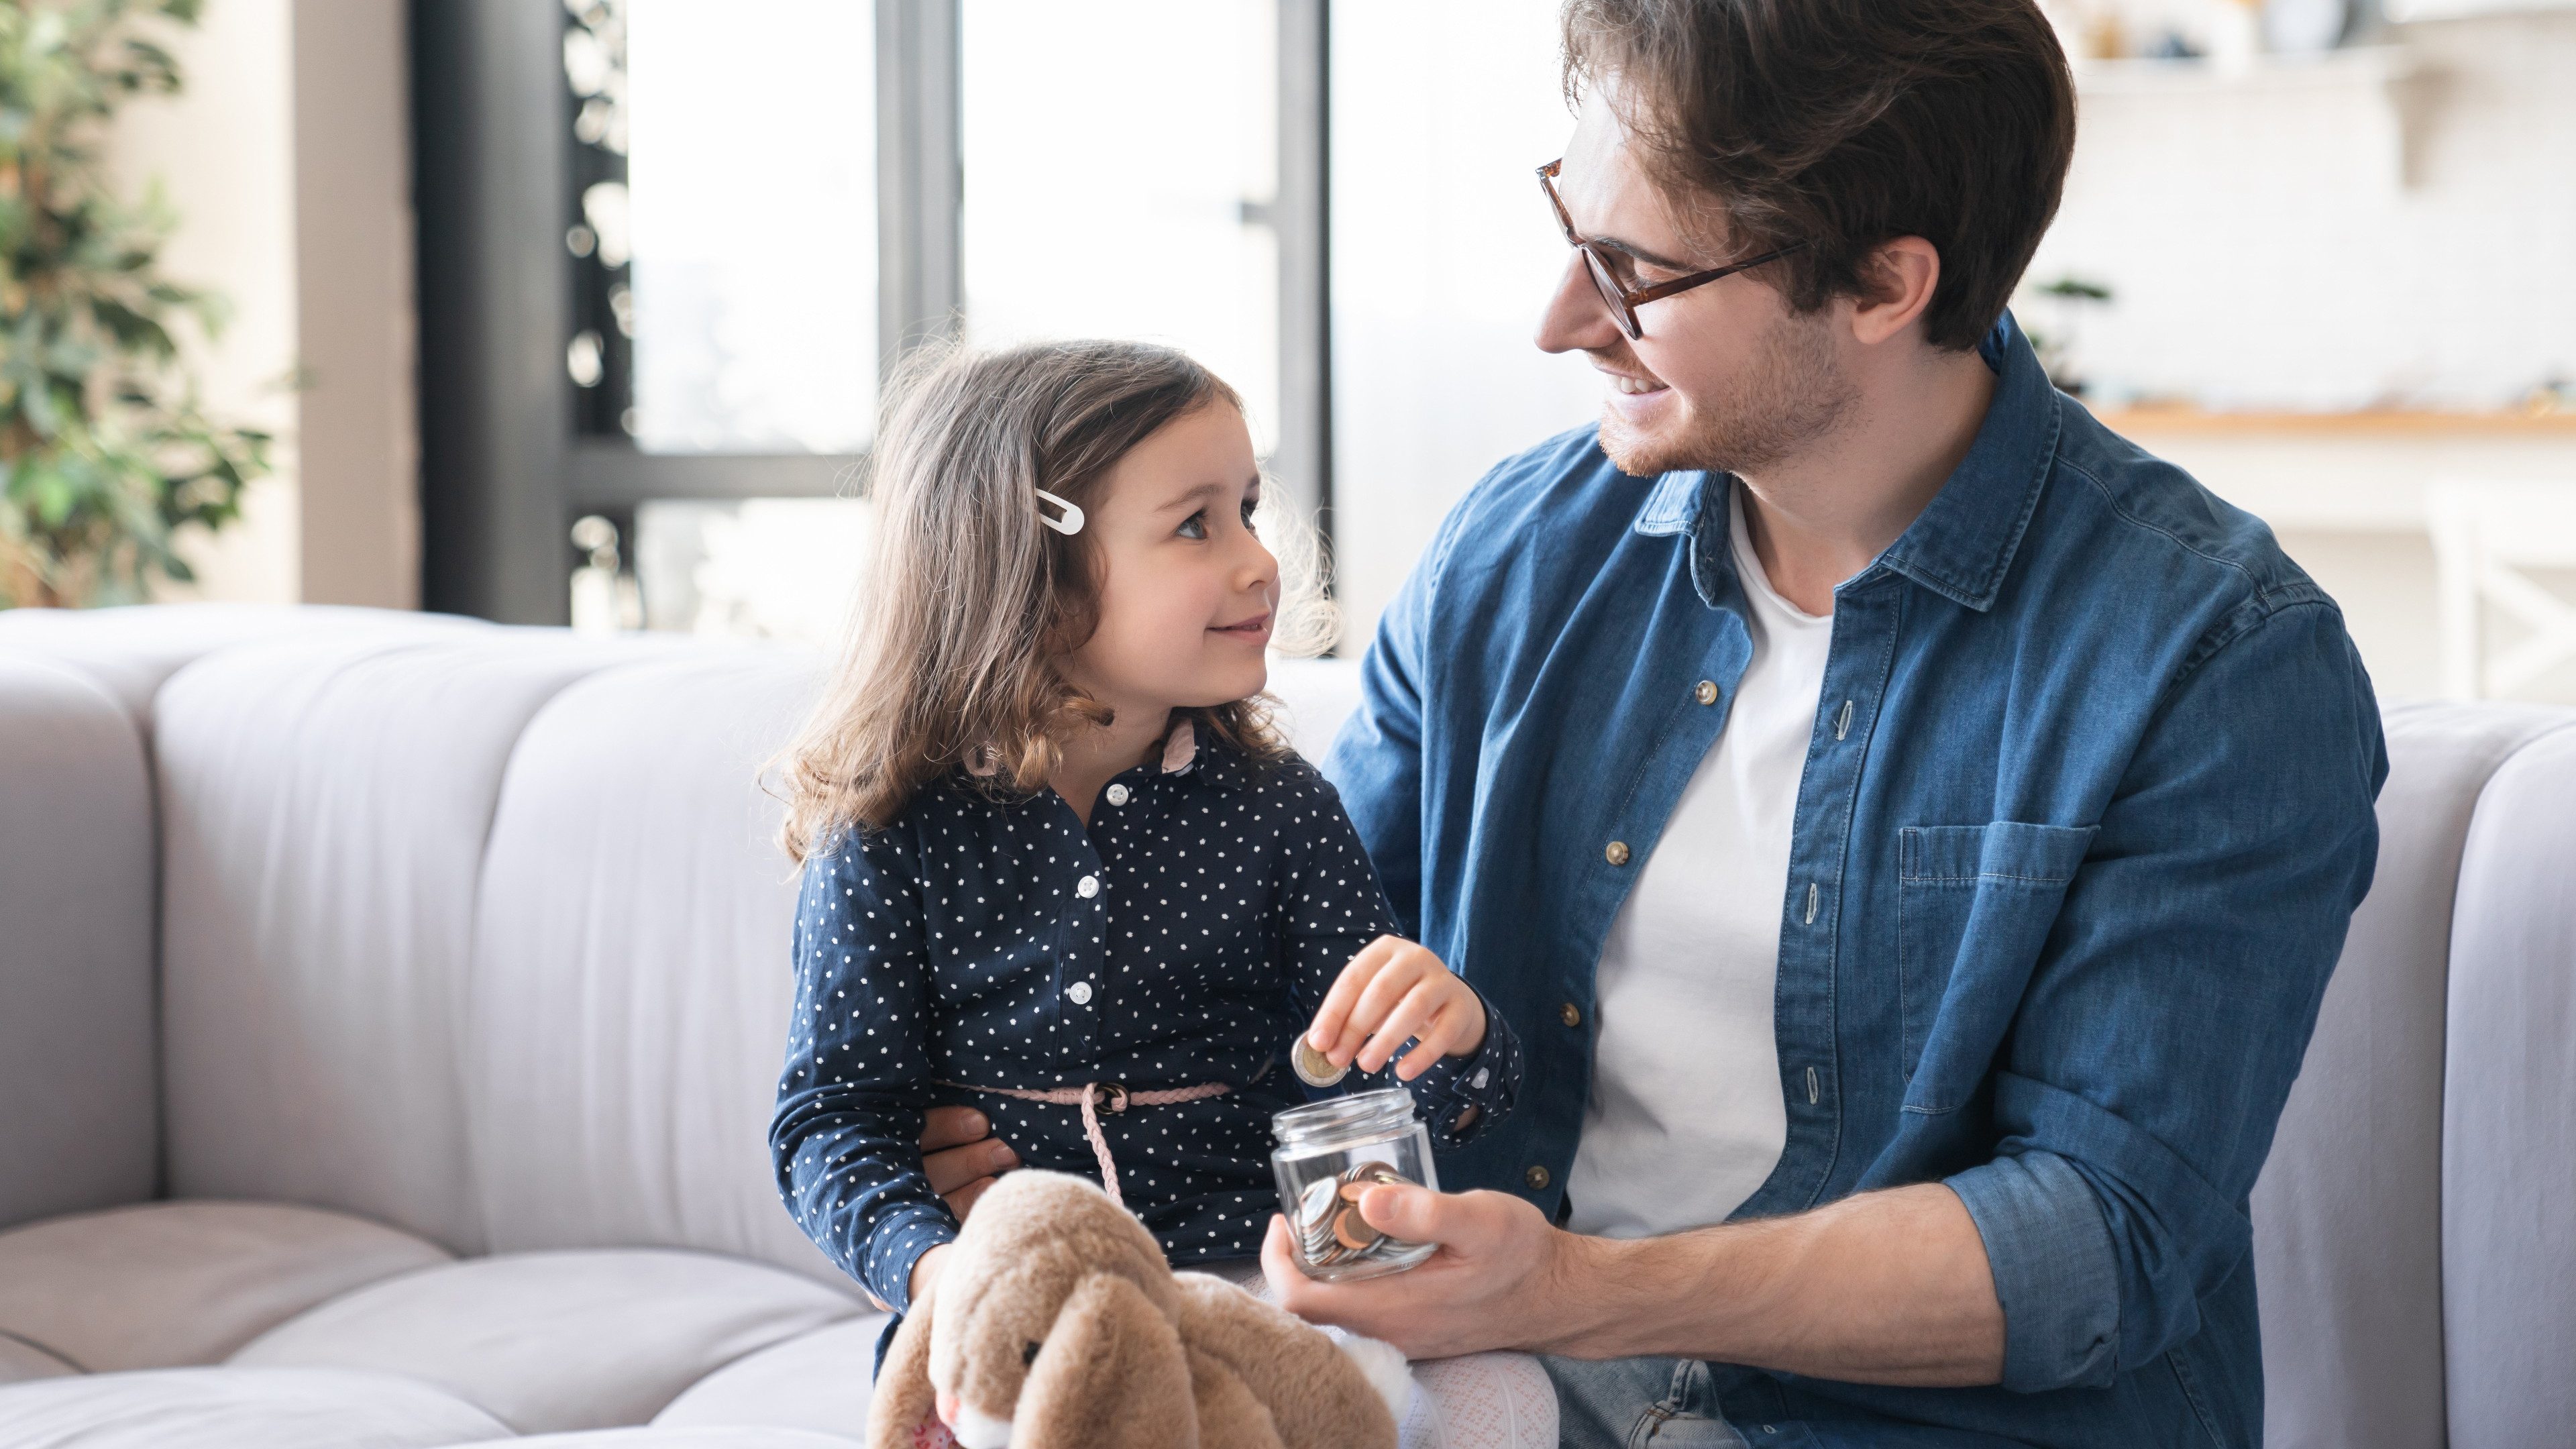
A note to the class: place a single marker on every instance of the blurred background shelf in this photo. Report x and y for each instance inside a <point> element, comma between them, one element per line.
<point>2143,420</point>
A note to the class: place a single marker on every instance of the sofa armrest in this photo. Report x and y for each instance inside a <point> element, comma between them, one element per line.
<point>79,1116</point>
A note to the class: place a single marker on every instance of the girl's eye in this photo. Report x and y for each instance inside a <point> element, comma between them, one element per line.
<point>1250,505</point>
<point>1195,526</point>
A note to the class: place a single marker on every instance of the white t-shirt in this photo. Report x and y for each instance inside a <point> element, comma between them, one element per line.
<point>1685,1118</point>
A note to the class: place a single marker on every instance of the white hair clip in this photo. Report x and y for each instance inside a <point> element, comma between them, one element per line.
<point>1068,525</point>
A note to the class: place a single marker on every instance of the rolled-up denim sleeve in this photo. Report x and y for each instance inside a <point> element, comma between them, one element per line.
<point>2167,1015</point>
<point>2056,1273</point>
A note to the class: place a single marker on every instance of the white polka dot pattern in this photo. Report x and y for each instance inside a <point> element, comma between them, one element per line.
<point>1185,937</point>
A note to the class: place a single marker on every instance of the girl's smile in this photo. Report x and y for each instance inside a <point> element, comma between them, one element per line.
<point>1254,631</point>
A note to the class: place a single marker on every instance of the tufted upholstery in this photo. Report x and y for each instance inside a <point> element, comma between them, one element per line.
<point>445,1123</point>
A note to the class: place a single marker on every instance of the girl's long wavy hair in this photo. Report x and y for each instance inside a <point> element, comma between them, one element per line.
<point>951,651</point>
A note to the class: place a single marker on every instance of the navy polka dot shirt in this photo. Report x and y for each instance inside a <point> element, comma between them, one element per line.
<point>1186,937</point>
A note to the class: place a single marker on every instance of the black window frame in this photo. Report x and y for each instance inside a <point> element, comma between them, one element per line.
<point>507,462</point>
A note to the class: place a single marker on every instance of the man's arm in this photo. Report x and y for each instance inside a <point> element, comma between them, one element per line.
<point>1888,1287</point>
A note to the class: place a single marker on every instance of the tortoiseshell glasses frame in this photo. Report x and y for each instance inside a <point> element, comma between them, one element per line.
<point>1623,300</point>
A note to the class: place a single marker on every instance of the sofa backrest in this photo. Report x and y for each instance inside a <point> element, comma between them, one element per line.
<point>2348,1213</point>
<point>325,804</point>
<point>2509,1112</point>
<point>485,935</point>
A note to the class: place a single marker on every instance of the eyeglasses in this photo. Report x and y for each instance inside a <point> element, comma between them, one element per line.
<point>1622,299</point>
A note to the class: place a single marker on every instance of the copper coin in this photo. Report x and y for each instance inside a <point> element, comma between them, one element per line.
<point>1353,1231</point>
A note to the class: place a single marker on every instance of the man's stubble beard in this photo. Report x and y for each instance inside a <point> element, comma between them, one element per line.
<point>1793,394</point>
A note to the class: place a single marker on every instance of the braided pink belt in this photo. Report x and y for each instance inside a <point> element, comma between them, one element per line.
<point>1096,1097</point>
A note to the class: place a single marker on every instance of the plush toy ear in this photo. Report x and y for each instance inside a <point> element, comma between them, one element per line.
<point>1317,1395</point>
<point>1111,1376</point>
<point>903,1401</point>
<point>1229,1416</point>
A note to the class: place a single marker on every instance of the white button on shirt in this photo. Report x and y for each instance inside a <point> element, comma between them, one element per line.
<point>1087,887</point>
<point>1079,993</point>
<point>1117,794</point>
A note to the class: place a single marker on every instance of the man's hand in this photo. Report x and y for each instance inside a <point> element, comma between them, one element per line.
<point>1394,991</point>
<point>1889,1287</point>
<point>1498,1281</point>
<point>962,1156</point>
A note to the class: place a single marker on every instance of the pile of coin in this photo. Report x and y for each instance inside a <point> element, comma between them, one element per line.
<point>1330,1230</point>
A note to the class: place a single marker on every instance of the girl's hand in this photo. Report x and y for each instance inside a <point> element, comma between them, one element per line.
<point>1394,991</point>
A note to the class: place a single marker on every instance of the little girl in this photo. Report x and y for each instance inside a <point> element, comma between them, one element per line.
<point>1059,864</point>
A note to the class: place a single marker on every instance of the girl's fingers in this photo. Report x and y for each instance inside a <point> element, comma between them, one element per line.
<point>1410,1015</point>
<point>1437,1038</point>
<point>1376,999</point>
<point>1326,1030</point>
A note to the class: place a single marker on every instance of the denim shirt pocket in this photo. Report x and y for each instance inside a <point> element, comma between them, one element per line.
<point>1974,906</point>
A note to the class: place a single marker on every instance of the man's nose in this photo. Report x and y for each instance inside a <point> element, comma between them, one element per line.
<point>1575,319</point>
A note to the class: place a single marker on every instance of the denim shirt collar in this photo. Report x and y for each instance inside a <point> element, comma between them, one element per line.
<point>1963,543</point>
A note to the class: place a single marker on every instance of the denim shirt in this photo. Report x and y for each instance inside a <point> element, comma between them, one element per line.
<point>1184,937</point>
<point>2084,817</point>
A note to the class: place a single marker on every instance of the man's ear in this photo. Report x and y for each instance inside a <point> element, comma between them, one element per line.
<point>1899,276</point>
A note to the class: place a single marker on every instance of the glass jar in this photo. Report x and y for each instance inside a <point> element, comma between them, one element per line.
<point>1329,1153</point>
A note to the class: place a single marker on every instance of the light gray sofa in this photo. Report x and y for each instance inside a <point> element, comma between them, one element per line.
<point>389,1008</point>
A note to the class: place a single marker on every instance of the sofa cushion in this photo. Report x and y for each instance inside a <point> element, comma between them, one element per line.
<point>324,803</point>
<point>819,1381</point>
<point>557,1341</point>
<point>2509,1113</point>
<point>2347,1214</point>
<point>239,1409</point>
<point>78,1119</point>
<point>158,1285</point>
<point>631,981</point>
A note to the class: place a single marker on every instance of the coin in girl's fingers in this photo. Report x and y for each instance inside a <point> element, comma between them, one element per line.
<point>1313,1067</point>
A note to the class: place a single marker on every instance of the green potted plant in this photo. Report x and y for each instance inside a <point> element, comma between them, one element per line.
<point>104,451</point>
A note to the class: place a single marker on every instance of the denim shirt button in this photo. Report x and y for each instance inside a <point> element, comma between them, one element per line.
<point>1536,1177</point>
<point>1570,1014</point>
<point>1707,691</point>
<point>1616,852</point>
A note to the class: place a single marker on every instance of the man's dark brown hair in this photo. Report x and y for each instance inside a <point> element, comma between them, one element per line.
<point>1842,124</point>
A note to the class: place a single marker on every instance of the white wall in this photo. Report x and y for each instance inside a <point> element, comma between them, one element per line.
<point>223,153</point>
<point>2395,225</point>
<point>360,409</point>
<point>285,158</point>
<point>1443,254</point>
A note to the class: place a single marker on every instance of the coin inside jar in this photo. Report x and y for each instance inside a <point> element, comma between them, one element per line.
<point>1313,1067</point>
<point>1353,1231</point>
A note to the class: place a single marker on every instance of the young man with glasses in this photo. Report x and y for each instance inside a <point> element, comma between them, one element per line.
<point>1910,827</point>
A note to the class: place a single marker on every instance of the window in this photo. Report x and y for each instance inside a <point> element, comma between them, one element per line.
<point>1121,173</point>
<point>667,249</point>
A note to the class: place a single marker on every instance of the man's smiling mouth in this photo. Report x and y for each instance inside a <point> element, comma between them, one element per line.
<point>1633,386</point>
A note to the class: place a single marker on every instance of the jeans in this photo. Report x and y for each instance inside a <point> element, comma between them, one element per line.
<point>1634,1403</point>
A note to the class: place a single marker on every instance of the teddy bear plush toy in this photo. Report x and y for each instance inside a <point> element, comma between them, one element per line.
<point>1058,1324</point>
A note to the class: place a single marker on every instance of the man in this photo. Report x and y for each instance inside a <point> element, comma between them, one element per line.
<point>1910,827</point>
